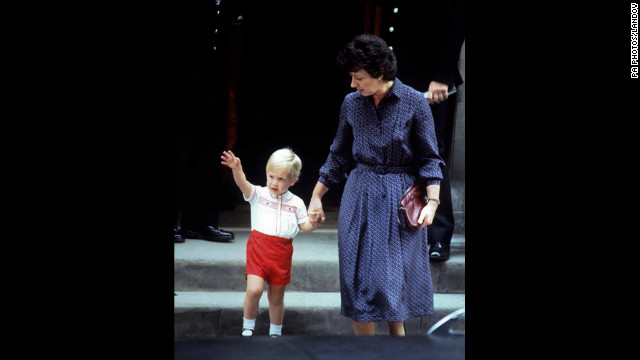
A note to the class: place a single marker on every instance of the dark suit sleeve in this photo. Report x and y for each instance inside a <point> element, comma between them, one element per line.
<point>449,43</point>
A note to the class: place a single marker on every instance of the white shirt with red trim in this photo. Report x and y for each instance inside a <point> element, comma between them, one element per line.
<point>276,215</point>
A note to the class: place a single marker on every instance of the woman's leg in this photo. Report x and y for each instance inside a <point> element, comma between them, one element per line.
<point>255,287</point>
<point>275,294</point>
<point>396,328</point>
<point>364,328</point>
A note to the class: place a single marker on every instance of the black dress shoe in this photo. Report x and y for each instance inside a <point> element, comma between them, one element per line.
<point>177,237</point>
<point>210,233</point>
<point>438,252</point>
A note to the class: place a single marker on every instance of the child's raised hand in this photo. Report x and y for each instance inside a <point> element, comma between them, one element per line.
<point>229,159</point>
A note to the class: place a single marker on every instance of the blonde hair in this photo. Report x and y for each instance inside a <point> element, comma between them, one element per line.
<point>285,158</point>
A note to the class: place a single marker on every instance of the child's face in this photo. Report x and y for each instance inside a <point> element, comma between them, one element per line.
<point>278,181</point>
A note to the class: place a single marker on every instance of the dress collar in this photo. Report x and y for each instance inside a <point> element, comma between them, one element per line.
<point>398,89</point>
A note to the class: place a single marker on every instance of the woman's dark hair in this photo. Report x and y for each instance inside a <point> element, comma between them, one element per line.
<point>370,53</point>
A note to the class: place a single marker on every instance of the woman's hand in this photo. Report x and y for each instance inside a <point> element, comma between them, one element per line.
<point>429,211</point>
<point>315,204</point>
<point>316,213</point>
<point>427,214</point>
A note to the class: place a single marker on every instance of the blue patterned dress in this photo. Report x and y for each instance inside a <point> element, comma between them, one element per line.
<point>384,269</point>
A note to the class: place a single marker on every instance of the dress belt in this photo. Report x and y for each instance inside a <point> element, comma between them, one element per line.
<point>384,169</point>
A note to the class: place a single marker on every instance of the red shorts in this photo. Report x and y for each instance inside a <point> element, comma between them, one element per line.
<point>269,257</point>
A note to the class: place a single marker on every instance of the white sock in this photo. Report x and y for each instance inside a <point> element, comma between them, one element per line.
<point>248,324</point>
<point>275,330</point>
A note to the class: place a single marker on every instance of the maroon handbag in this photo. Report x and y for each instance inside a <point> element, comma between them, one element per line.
<point>411,205</point>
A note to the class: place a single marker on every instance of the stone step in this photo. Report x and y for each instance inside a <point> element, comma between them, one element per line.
<point>328,347</point>
<point>213,266</point>
<point>206,314</point>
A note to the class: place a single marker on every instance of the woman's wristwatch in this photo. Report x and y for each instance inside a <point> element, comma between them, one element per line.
<point>436,200</point>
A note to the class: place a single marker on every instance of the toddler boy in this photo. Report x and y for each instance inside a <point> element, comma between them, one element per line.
<point>276,216</point>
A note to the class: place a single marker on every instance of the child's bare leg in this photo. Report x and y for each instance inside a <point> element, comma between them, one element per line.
<point>255,287</point>
<point>275,294</point>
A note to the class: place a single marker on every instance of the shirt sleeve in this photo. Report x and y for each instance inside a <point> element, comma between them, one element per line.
<point>425,146</point>
<point>253,198</point>
<point>301,212</point>
<point>340,159</point>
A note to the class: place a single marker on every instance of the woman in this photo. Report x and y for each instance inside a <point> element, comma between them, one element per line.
<point>385,142</point>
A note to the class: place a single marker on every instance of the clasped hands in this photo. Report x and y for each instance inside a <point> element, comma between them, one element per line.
<point>316,216</point>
